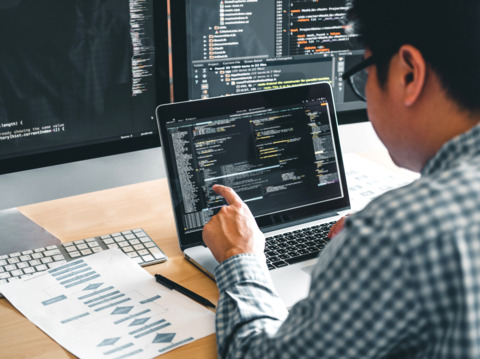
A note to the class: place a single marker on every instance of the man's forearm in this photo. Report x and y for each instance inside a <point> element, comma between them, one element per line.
<point>248,306</point>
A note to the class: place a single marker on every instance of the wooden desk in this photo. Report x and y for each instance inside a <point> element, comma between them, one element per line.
<point>144,205</point>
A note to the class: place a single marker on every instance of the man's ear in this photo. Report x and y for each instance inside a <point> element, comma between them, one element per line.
<point>413,70</point>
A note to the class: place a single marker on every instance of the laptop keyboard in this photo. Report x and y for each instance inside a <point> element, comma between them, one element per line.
<point>134,243</point>
<point>296,246</point>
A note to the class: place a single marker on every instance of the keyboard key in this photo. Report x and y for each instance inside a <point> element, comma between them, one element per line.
<point>10,267</point>
<point>52,252</point>
<point>86,252</point>
<point>16,273</point>
<point>143,252</point>
<point>41,268</point>
<point>147,258</point>
<point>139,247</point>
<point>280,264</point>
<point>157,253</point>
<point>5,275</point>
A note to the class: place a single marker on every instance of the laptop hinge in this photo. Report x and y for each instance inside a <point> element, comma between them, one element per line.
<point>298,222</point>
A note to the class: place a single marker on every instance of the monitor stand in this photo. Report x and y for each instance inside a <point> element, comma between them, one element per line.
<point>49,183</point>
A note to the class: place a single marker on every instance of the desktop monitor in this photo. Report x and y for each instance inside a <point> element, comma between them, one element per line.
<point>224,47</point>
<point>79,79</point>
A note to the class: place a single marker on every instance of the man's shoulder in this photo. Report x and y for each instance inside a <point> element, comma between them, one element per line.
<point>431,207</point>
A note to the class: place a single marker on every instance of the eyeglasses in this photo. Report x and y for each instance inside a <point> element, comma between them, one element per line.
<point>357,77</point>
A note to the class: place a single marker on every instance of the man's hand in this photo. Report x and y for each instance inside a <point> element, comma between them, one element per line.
<point>233,229</point>
<point>337,227</point>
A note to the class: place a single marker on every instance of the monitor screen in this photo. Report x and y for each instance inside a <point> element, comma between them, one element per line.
<point>78,79</point>
<point>224,47</point>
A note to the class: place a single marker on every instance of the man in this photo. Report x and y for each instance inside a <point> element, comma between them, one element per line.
<point>402,278</point>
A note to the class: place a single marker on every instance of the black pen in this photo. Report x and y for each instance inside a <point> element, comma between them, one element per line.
<point>172,285</point>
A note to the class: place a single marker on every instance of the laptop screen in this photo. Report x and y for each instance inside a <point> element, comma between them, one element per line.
<point>278,150</point>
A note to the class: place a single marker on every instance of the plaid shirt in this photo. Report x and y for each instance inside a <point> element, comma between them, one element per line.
<point>402,280</point>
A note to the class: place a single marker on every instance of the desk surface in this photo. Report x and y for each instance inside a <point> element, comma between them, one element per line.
<point>144,205</point>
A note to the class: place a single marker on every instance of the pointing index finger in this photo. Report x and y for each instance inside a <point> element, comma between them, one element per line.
<point>228,193</point>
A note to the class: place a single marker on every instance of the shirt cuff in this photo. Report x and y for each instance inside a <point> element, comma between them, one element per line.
<point>242,268</point>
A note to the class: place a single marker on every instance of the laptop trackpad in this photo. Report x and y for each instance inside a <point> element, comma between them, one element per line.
<point>293,282</point>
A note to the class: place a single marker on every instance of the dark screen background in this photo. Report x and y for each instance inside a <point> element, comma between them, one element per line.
<point>66,75</point>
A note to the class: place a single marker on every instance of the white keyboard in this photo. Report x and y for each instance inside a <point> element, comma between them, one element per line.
<point>135,243</point>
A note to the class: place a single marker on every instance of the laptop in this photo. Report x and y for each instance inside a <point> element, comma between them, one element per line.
<point>279,150</point>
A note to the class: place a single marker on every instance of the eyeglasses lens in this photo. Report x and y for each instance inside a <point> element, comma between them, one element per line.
<point>359,82</point>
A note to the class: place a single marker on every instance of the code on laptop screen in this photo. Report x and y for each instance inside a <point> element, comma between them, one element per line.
<point>276,159</point>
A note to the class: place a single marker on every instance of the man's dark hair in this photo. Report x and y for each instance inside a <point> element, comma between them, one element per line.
<point>446,32</point>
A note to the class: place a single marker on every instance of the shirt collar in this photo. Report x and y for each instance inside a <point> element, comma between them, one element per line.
<point>464,146</point>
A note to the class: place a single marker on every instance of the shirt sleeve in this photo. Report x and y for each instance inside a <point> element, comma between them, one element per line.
<point>361,304</point>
